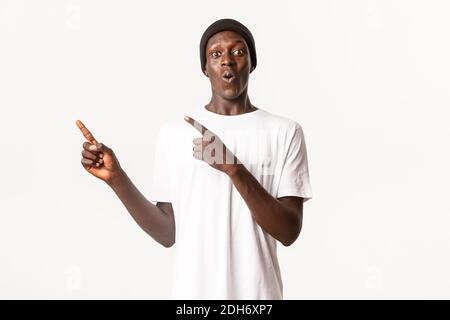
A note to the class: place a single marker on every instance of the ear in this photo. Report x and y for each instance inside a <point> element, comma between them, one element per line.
<point>206,73</point>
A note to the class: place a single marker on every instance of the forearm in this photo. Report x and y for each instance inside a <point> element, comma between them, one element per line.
<point>274,218</point>
<point>148,216</point>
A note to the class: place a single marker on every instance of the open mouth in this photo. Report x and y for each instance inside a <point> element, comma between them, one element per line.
<point>228,76</point>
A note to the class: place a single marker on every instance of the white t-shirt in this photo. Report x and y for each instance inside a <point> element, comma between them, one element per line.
<point>220,251</point>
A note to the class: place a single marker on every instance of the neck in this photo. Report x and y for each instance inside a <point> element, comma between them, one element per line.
<point>237,106</point>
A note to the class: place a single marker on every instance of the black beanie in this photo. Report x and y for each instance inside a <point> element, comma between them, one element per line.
<point>229,25</point>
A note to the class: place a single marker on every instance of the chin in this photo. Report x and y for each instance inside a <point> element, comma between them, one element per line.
<point>231,94</point>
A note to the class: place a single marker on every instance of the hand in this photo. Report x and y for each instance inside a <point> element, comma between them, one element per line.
<point>98,159</point>
<point>212,150</point>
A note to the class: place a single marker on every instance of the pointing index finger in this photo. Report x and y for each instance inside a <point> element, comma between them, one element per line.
<point>86,133</point>
<point>197,125</point>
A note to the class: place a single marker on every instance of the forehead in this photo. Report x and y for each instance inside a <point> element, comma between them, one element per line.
<point>225,38</point>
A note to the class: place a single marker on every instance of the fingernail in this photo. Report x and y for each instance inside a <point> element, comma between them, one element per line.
<point>186,118</point>
<point>100,161</point>
<point>92,147</point>
<point>101,155</point>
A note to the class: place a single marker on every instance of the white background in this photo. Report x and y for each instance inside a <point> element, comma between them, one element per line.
<point>368,81</point>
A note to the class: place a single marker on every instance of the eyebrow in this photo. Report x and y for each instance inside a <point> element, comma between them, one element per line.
<point>218,44</point>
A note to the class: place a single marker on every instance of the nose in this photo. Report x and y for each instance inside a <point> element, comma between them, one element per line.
<point>227,60</point>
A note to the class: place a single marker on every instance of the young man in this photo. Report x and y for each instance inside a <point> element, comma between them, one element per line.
<point>229,181</point>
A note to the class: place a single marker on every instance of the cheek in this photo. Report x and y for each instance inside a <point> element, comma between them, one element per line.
<point>248,63</point>
<point>244,64</point>
<point>211,70</point>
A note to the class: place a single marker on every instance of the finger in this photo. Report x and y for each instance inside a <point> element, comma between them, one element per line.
<point>89,163</point>
<point>86,164</point>
<point>95,148</point>
<point>99,147</point>
<point>208,137</point>
<point>197,125</point>
<point>86,133</point>
<point>197,155</point>
<point>89,155</point>
<point>87,146</point>
<point>197,148</point>
<point>204,140</point>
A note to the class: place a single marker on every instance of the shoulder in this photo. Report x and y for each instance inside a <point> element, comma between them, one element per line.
<point>282,123</point>
<point>177,124</point>
<point>175,130</point>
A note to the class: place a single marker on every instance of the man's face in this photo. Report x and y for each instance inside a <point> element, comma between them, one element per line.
<point>228,64</point>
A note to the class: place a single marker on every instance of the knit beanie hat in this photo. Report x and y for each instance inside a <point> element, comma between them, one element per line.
<point>229,25</point>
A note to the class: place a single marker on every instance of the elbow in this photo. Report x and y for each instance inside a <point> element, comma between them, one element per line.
<point>293,235</point>
<point>163,239</point>
<point>168,244</point>
<point>170,241</point>
<point>288,242</point>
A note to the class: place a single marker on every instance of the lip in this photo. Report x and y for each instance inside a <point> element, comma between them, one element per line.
<point>229,80</point>
<point>228,76</point>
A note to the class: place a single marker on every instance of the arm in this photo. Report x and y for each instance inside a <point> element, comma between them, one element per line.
<point>156,220</point>
<point>100,161</point>
<point>281,218</point>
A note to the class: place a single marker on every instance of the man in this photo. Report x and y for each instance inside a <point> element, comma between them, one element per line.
<point>229,181</point>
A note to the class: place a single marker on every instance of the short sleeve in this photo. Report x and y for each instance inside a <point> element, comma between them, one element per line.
<point>294,180</point>
<point>160,186</point>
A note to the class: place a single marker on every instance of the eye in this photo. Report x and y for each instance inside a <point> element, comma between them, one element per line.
<point>239,52</point>
<point>215,54</point>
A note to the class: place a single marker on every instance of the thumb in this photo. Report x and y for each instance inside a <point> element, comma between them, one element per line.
<point>99,147</point>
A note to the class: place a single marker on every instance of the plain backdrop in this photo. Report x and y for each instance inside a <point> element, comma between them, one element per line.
<point>367,80</point>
